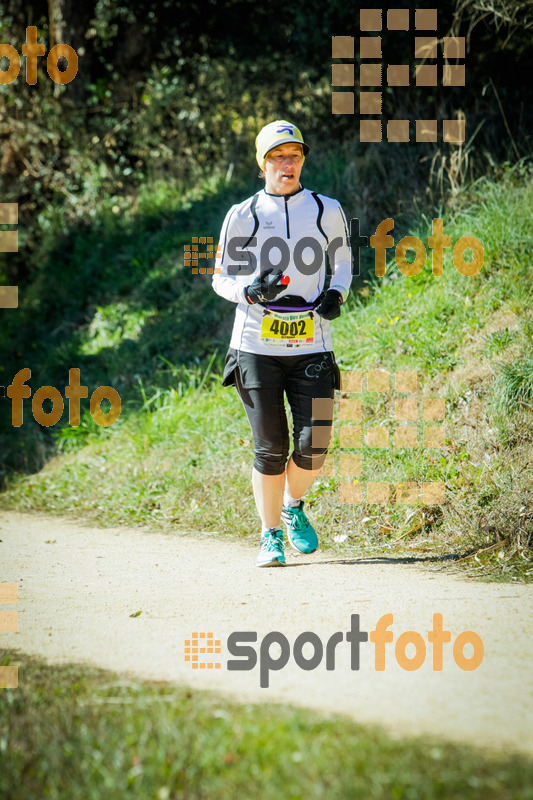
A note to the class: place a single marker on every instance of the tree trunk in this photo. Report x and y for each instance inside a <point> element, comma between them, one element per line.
<point>57,22</point>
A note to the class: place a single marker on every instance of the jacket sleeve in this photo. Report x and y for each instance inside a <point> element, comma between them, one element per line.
<point>339,251</point>
<point>229,286</point>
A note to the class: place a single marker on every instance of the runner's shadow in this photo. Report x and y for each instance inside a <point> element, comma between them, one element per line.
<point>378,560</point>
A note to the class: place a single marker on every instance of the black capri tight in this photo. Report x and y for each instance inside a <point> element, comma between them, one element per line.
<point>301,378</point>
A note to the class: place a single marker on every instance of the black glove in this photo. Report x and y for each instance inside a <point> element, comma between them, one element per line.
<point>265,287</point>
<point>330,307</point>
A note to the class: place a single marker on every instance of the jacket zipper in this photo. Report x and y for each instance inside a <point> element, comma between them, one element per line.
<point>286,198</point>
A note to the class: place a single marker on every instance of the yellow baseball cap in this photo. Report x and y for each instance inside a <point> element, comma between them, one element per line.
<point>274,134</point>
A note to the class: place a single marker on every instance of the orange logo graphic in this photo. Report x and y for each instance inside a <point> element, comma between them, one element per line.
<point>374,74</point>
<point>202,644</point>
<point>9,678</point>
<point>192,254</point>
<point>9,243</point>
<point>410,414</point>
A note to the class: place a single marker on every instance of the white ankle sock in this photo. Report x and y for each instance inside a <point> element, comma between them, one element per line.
<point>266,530</point>
<point>288,501</point>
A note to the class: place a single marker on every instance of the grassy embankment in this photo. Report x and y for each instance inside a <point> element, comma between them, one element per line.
<point>181,453</point>
<point>70,732</point>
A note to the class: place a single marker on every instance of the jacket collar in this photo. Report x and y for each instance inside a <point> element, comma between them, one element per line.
<point>271,194</point>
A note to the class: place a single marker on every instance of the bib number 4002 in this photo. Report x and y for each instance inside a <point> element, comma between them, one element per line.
<point>283,328</point>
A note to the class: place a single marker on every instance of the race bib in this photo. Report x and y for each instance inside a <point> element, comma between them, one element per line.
<point>289,330</point>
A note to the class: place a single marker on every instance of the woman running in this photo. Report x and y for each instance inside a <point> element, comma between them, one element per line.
<point>281,341</point>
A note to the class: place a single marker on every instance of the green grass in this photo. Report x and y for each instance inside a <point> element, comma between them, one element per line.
<point>515,385</point>
<point>181,454</point>
<point>76,732</point>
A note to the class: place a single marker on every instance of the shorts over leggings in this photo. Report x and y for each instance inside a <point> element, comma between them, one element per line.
<point>262,381</point>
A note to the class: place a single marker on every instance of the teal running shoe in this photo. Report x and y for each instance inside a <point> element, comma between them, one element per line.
<point>272,546</point>
<point>301,533</point>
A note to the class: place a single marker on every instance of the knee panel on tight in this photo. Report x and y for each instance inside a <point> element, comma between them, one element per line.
<point>305,455</point>
<point>267,464</point>
<point>271,453</point>
<point>268,421</point>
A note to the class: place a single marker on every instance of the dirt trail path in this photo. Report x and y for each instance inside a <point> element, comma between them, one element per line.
<point>79,585</point>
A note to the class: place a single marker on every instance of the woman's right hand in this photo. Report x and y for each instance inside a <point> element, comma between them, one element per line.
<point>265,287</point>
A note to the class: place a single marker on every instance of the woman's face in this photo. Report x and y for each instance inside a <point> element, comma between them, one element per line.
<point>282,169</point>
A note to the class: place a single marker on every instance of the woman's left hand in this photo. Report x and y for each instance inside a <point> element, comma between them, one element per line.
<point>330,307</point>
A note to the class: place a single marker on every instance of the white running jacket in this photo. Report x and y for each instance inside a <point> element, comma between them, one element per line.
<point>308,224</point>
